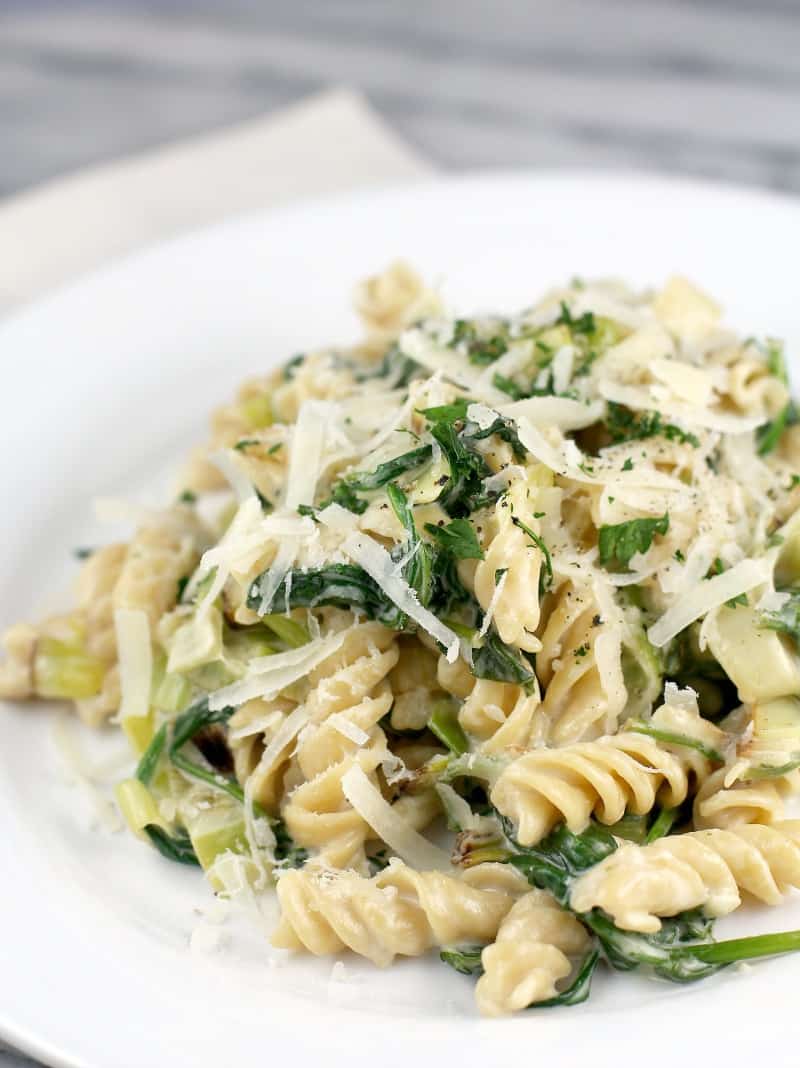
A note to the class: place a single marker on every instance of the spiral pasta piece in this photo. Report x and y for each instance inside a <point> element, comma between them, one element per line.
<point>95,589</point>
<point>749,383</point>
<point>507,579</point>
<point>498,715</point>
<point>529,956</point>
<point>620,773</point>
<point>399,912</point>
<point>580,668</point>
<point>350,683</point>
<point>159,556</point>
<point>319,816</point>
<point>388,302</point>
<point>743,802</point>
<point>636,885</point>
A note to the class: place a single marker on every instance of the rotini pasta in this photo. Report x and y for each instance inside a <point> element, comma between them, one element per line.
<point>620,773</point>
<point>530,954</point>
<point>399,912</point>
<point>705,869</point>
<point>580,668</point>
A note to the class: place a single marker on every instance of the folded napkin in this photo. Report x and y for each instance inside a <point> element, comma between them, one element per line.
<point>332,141</point>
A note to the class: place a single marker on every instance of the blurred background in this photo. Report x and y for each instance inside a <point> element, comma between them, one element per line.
<point>700,87</point>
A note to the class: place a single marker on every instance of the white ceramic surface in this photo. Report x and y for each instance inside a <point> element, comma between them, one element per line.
<point>106,385</point>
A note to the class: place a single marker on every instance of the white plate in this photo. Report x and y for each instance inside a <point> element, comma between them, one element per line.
<point>107,383</point>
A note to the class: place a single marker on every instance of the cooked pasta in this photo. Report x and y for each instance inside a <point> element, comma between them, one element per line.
<point>480,634</point>
<point>706,869</point>
<point>399,912</point>
<point>530,954</point>
<point>619,773</point>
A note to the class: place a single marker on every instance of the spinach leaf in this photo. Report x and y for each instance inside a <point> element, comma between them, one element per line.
<point>464,489</point>
<point>447,413</point>
<point>464,959</point>
<point>186,726</point>
<point>504,429</point>
<point>398,368</point>
<point>177,847</point>
<point>681,951</point>
<point>458,538</point>
<point>149,760</point>
<point>418,567</point>
<point>342,585</point>
<point>346,491</point>
<point>497,661</point>
<point>579,989</point>
<point>391,469</point>
<point>621,541</point>
<point>561,857</point>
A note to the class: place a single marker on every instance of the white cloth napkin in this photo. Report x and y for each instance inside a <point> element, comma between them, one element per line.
<point>330,142</point>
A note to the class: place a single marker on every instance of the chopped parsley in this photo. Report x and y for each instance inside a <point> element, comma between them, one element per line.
<point>625,425</point>
<point>620,542</point>
<point>584,324</point>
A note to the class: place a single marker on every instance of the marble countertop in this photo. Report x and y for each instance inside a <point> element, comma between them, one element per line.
<point>702,87</point>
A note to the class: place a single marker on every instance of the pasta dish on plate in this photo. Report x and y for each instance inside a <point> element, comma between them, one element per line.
<point>481,636</point>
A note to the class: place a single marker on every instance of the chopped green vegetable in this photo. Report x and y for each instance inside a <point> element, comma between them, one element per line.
<point>584,324</point>
<point>479,350</point>
<point>457,537</point>
<point>497,661</point>
<point>673,738</point>
<point>463,491</point>
<point>443,722</point>
<point>177,846</point>
<point>464,959</point>
<point>149,761</point>
<point>65,670</point>
<point>786,620</point>
<point>504,429</point>
<point>662,824</point>
<point>619,542</point>
<point>289,631</point>
<point>625,425</point>
<point>418,556</point>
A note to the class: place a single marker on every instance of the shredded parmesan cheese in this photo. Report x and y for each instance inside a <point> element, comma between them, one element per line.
<point>399,835</point>
<point>707,595</point>
<point>380,567</point>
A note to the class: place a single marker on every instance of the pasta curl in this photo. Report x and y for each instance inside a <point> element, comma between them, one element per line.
<point>580,668</point>
<point>529,956</point>
<point>636,885</point>
<point>620,773</point>
<point>399,912</point>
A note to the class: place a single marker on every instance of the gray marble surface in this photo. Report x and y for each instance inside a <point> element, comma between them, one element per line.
<point>704,87</point>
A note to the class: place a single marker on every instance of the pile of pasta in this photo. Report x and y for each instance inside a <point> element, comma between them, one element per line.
<point>479,636</point>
